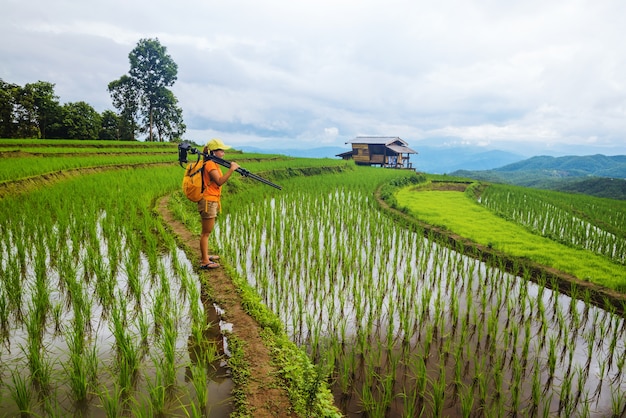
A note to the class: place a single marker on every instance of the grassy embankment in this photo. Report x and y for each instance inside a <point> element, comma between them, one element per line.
<point>458,213</point>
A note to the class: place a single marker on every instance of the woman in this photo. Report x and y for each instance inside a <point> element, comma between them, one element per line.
<point>209,206</point>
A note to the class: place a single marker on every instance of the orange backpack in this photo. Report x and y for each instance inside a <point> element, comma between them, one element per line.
<point>193,180</point>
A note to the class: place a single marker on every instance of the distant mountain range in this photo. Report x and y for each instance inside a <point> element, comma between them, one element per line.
<point>597,175</point>
<point>545,167</point>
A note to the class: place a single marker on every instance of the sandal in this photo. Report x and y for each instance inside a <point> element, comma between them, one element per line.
<point>209,265</point>
<point>214,257</point>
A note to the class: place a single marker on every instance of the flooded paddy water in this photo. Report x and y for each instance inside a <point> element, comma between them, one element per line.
<point>92,325</point>
<point>407,327</point>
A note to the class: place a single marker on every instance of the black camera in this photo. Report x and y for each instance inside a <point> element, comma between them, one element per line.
<point>183,149</point>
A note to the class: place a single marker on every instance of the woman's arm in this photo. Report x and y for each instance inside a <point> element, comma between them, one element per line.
<point>218,178</point>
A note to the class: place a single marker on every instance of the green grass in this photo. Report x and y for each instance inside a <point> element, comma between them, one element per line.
<point>40,157</point>
<point>457,213</point>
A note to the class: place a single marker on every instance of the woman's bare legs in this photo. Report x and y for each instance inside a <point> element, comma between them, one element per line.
<point>207,228</point>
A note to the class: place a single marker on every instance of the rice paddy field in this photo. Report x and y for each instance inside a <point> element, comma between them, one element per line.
<point>101,312</point>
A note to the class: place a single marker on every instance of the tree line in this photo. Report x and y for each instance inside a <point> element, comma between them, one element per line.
<point>145,105</point>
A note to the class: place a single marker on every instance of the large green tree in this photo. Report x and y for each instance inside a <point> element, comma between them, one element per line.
<point>126,99</point>
<point>41,105</point>
<point>29,111</point>
<point>168,117</point>
<point>81,121</point>
<point>33,111</point>
<point>110,125</point>
<point>145,93</point>
<point>8,104</point>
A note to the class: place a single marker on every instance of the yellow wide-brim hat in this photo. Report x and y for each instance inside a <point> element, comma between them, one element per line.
<point>216,144</point>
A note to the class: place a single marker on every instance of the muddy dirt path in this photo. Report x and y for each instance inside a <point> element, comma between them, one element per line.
<point>263,394</point>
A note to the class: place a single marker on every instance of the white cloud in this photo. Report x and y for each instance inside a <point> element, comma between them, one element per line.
<point>480,71</point>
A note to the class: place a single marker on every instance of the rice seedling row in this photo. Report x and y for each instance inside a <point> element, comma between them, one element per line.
<point>408,326</point>
<point>100,309</point>
<point>459,213</point>
<point>596,225</point>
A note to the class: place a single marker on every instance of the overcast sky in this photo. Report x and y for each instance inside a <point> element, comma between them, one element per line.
<point>532,76</point>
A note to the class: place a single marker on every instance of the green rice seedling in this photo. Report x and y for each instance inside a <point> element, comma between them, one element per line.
<point>13,288</point>
<point>39,368</point>
<point>410,404</point>
<point>580,385</point>
<point>621,361</point>
<point>367,399</point>
<point>618,403</point>
<point>615,337</point>
<point>418,367</point>
<point>526,346</point>
<point>492,331</point>
<point>601,377</point>
<point>387,391</point>
<point>128,353</point>
<point>497,374</point>
<point>535,391</point>
<point>21,392</point>
<point>131,268</point>
<point>127,369</point>
<point>168,348</point>
<point>545,410</point>
<point>589,339</point>
<point>467,402</point>
<point>428,340</point>
<point>57,317</point>
<point>566,404</point>
<point>158,308</point>
<point>112,401</point>
<point>92,365</point>
<point>77,372</point>
<point>551,361</point>
<point>480,384</point>
<point>345,372</point>
<point>516,386</point>
<point>4,315</point>
<point>200,384</point>
<point>585,411</point>
<point>51,406</point>
<point>144,330</point>
<point>157,392</point>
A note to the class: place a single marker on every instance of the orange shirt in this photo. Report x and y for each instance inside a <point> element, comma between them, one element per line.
<point>212,192</point>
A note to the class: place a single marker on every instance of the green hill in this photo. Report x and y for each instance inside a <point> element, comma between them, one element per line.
<point>595,175</point>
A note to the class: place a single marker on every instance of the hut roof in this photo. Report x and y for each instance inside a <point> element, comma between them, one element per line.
<point>401,149</point>
<point>394,143</point>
